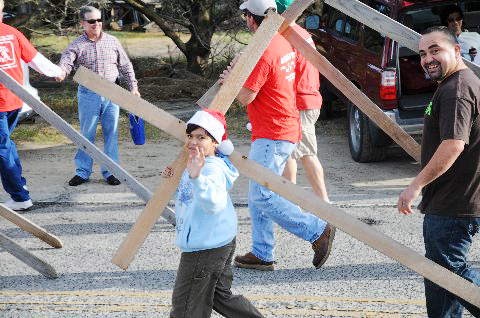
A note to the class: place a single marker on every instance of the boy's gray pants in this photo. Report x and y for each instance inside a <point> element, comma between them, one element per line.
<point>203,283</point>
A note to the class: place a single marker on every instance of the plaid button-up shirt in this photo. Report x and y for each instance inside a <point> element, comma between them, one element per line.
<point>106,57</point>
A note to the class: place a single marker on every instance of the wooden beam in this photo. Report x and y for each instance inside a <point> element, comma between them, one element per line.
<point>149,216</point>
<point>83,143</point>
<point>348,89</point>
<point>131,103</point>
<point>27,257</point>
<point>222,101</point>
<point>358,229</point>
<point>293,12</point>
<point>385,25</point>
<point>246,62</point>
<point>290,15</point>
<point>208,97</point>
<point>30,227</point>
<point>352,226</point>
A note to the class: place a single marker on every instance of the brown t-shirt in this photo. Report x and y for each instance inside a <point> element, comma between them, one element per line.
<point>453,114</point>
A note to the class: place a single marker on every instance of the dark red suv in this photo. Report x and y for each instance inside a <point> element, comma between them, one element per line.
<point>388,73</point>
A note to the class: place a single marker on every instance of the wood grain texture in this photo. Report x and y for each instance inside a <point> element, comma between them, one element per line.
<point>385,25</point>
<point>353,94</point>
<point>28,258</point>
<point>126,100</point>
<point>30,227</point>
<point>246,62</point>
<point>150,214</point>
<point>358,229</point>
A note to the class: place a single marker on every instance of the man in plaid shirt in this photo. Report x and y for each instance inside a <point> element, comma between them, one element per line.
<point>103,54</point>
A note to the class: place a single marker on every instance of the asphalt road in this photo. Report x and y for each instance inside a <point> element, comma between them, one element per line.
<point>93,219</point>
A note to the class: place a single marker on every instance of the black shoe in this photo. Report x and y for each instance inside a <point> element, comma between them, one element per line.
<point>113,181</point>
<point>76,180</point>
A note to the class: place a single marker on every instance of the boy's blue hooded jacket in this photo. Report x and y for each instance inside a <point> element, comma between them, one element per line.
<point>204,211</point>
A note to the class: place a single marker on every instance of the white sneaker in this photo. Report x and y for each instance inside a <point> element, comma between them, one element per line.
<point>18,206</point>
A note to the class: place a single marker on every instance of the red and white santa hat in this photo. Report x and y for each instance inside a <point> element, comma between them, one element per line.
<point>214,122</point>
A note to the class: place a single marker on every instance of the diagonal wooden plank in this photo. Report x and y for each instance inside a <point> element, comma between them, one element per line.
<point>222,101</point>
<point>350,91</point>
<point>385,25</point>
<point>60,124</point>
<point>361,231</point>
<point>358,229</point>
<point>30,227</point>
<point>146,220</point>
<point>27,257</point>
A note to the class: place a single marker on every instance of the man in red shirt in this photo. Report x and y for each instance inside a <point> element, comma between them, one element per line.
<point>309,102</point>
<point>15,48</point>
<point>269,95</point>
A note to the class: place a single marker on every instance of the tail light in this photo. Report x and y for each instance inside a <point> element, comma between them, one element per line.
<point>388,85</point>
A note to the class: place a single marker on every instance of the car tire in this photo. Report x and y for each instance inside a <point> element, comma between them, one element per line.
<point>360,140</point>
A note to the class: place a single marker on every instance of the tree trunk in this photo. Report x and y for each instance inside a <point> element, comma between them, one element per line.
<point>200,24</point>
<point>198,46</point>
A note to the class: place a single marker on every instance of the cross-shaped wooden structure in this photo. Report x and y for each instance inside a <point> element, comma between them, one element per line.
<point>258,173</point>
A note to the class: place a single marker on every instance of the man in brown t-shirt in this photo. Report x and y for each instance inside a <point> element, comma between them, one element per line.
<point>450,175</point>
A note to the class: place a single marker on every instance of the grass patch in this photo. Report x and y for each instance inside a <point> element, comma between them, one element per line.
<point>39,133</point>
<point>237,120</point>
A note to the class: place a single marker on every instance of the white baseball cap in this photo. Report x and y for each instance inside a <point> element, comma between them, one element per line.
<point>258,7</point>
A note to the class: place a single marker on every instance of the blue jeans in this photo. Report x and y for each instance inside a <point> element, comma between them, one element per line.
<point>447,243</point>
<point>267,207</point>
<point>91,108</point>
<point>10,167</point>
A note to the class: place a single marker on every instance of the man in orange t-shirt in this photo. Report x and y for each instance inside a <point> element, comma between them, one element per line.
<point>14,48</point>
<point>309,102</point>
<point>269,94</point>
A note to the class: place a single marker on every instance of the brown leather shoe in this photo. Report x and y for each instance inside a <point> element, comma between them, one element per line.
<point>251,261</point>
<point>322,246</point>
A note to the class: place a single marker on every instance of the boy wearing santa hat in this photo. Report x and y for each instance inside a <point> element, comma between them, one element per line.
<point>206,224</point>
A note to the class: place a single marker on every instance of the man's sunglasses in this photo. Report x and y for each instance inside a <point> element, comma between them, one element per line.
<point>458,19</point>
<point>92,21</point>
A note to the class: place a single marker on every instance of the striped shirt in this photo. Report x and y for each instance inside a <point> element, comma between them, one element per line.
<point>106,57</point>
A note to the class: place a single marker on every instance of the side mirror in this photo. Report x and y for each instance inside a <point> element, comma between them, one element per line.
<point>312,22</point>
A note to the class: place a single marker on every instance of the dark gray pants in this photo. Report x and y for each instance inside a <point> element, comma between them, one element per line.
<point>203,283</point>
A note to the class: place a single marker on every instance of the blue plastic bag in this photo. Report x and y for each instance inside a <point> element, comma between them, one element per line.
<point>137,129</point>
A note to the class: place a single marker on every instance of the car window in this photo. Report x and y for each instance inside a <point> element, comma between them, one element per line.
<point>420,19</point>
<point>341,24</point>
<point>472,16</point>
<point>373,40</point>
<point>336,20</point>
<point>352,29</point>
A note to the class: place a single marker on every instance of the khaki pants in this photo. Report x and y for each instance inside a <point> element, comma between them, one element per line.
<point>203,283</point>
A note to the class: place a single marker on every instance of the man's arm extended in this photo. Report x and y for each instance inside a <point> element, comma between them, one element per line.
<point>442,160</point>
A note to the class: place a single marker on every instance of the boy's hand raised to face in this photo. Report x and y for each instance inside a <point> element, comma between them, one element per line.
<point>195,163</point>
